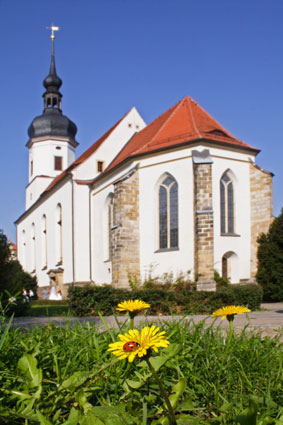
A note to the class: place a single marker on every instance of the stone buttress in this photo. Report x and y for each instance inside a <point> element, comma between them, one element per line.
<point>204,221</point>
<point>261,208</point>
<point>125,239</point>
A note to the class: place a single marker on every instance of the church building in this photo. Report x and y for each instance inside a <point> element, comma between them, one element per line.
<point>178,194</point>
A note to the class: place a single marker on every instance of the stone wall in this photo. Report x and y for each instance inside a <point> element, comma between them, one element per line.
<point>125,254</point>
<point>261,208</point>
<point>204,225</point>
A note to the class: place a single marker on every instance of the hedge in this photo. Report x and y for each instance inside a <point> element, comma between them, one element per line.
<point>90,300</point>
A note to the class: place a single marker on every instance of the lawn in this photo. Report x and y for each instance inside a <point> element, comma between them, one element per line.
<point>49,309</point>
<point>65,375</point>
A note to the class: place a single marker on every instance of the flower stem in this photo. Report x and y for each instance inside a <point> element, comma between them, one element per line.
<point>172,418</point>
<point>225,354</point>
<point>132,318</point>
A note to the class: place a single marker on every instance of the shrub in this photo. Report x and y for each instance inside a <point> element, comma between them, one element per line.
<point>270,261</point>
<point>90,300</point>
<point>206,302</point>
<point>221,282</point>
<point>160,301</point>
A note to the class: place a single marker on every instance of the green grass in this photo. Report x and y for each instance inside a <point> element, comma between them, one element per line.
<point>66,376</point>
<point>49,310</point>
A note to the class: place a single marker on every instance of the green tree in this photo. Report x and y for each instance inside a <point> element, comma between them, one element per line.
<point>12,276</point>
<point>4,260</point>
<point>270,261</point>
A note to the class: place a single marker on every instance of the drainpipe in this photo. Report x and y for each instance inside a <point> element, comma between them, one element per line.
<point>73,232</point>
<point>90,235</point>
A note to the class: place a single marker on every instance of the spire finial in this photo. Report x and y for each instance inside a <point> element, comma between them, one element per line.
<point>53,28</point>
<point>52,83</point>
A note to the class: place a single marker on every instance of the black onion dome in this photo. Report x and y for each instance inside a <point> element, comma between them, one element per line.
<point>52,82</point>
<point>52,123</point>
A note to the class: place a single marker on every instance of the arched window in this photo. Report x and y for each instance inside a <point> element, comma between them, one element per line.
<point>107,224</point>
<point>168,213</point>
<point>226,204</point>
<point>43,242</point>
<point>32,254</point>
<point>58,235</point>
<point>24,249</point>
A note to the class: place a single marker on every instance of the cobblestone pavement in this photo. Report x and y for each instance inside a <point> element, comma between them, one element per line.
<point>268,321</point>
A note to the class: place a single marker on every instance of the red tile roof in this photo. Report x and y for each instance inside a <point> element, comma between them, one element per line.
<point>185,122</point>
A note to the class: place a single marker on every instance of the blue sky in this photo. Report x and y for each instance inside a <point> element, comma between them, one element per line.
<point>115,54</point>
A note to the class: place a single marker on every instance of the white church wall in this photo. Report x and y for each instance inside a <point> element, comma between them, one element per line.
<point>239,244</point>
<point>102,267</point>
<point>81,233</point>
<point>62,195</point>
<point>179,165</point>
<point>111,146</point>
<point>36,188</point>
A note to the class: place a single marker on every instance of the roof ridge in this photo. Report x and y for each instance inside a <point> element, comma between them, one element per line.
<point>176,107</point>
<point>188,103</point>
<point>174,110</point>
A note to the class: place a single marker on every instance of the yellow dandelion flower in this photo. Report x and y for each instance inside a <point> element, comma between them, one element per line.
<point>137,343</point>
<point>133,306</point>
<point>229,311</point>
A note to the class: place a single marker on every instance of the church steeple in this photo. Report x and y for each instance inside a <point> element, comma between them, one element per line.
<point>52,122</point>
<point>52,137</point>
<point>52,83</point>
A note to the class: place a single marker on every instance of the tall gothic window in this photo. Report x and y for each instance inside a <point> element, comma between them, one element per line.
<point>168,213</point>
<point>108,223</point>
<point>43,242</point>
<point>59,235</point>
<point>24,248</point>
<point>32,254</point>
<point>226,204</point>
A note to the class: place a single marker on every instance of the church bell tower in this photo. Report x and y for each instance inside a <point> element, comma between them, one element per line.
<point>52,140</point>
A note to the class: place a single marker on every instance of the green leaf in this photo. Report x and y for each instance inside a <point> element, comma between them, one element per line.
<point>161,421</point>
<point>42,419</point>
<point>114,415</point>
<point>73,417</point>
<point>21,394</point>
<point>171,350</point>
<point>134,384</point>
<point>82,400</point>
<point>186,404</point>
<point>28,365</point>
<point>248,416</point>
<point>157,362</point>
<point>188,420</point>
<point>279,421</point>
<point>91,419</point>
<point>177,390</point>
<point>74,381</point>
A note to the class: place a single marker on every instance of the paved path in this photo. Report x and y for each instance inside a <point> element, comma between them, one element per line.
<point>269,321</point>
